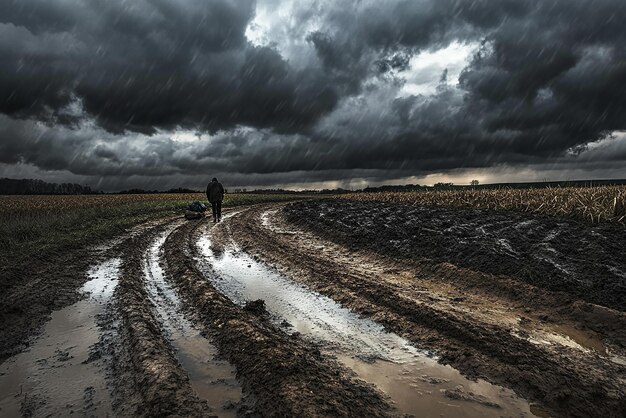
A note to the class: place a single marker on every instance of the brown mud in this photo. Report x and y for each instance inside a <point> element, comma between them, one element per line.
<point>29,297</point>
<point>57,375</point>
<point>283,312</point>
<point>211,378</point>
<point>586,321</point>
<point>284,374</point>
<point>26,302</point>
<point>586,261</point>
<point>415,382</point>
<point>483,334</point>
<point>156,385</point>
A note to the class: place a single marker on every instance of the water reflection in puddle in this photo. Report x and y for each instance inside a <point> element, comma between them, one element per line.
<point>569,336</point>
<point>414,381</point>
<point>54,377</point>
<point>212,379</point>
<point>104,278</point>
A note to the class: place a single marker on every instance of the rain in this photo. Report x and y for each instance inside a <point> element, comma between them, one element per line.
<point>311,93</point>
<point>313,208</point>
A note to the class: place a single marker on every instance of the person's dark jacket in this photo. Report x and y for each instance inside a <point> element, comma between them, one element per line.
<point>215,192</point>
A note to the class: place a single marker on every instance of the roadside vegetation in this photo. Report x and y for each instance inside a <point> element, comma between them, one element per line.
<point>37,228</point>
<point>593,204</point>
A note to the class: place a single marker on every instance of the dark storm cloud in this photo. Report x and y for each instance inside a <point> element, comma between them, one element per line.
<point>110,81</point>
<point>550,75</point>
<point>557,76</point>
<point>393,31</point>
<point>150,64</point>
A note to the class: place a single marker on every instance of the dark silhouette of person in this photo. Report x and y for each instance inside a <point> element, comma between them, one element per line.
<point>215,195</point>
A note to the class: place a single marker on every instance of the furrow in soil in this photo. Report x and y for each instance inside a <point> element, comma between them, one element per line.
<point>413,379</point>
<point>483,336</point>
<point>282,373</point>
<point>150,380</point>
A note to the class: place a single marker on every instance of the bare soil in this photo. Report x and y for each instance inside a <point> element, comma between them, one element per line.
<point>29,294</point>
<point>561,255</point>
<point>567,357</point>
<point>526,313</point>
<point>28,303</point>
<point>286,375</point>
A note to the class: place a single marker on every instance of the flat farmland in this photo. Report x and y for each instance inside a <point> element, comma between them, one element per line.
<point>455,304</point>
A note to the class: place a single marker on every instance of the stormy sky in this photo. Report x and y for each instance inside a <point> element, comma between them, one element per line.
<point>311,93</point>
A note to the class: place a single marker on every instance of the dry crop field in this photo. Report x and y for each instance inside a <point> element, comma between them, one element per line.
<point>34,204</point>
<point>473,303</point>
<point>17,204</point>
<point>594,204</point>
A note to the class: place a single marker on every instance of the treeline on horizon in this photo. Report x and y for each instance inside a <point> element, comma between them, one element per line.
<point>526,185</point>
<point>40,187</point>
<point>33,186</point>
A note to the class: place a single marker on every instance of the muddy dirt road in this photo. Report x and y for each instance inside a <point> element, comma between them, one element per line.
<point>316,309</point>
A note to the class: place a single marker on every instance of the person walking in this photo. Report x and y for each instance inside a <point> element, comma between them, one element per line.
<point>215,195</point>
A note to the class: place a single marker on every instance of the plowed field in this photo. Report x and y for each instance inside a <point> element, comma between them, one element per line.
<point>332,308</point>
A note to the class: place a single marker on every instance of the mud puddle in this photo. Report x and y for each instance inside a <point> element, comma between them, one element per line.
<point>413,379</point>
<point>565,335</point>
<point>55,375</point>
<point>535,331</point>
<point>212,379</point>
<point>569,336</point>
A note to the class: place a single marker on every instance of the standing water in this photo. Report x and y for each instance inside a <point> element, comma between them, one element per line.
<point>413,379</point>
<point>212,379</point>
<point>54,377</point>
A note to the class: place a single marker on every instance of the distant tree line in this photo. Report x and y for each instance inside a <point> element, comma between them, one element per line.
<point>32,186</point>
<point>142,191</point>
<point>553,184</point>
<point>283,191</point>
<point>475,184</point>
<point>398,188</point>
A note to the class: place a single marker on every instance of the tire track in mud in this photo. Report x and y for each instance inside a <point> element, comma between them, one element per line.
<point>28,301</point>
<point>212,380</point>
<point>282,374</point>
<point>559,382</point>
<point>120,351</point>
<point>437,242</point>
<point>539,314</point>
<point>67,367</point>
<point>150,380</point>
<point>58,375</point>
<point>414,381</point>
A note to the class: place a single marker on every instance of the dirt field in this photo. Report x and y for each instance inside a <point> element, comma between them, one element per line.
<point>329,308</point>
